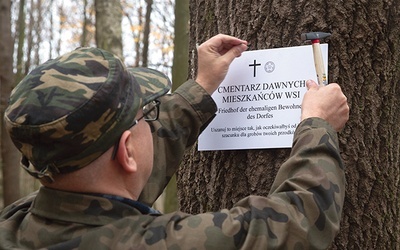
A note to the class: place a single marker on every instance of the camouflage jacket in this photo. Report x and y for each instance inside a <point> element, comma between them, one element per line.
<point>302,211</point>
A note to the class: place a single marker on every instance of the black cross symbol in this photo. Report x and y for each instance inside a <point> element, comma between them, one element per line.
<point>255,64</point>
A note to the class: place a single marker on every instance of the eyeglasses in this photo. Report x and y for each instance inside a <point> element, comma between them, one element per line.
<point>151,112</point>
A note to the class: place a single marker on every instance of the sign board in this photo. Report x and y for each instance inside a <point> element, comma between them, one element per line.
<point>259,101</point>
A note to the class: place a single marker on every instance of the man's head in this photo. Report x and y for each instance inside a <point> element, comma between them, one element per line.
<point>68,111</point>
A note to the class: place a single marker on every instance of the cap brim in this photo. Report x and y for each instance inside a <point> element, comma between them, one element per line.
<point>153,83</point>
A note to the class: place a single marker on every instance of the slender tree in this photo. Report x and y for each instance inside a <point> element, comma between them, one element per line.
<point>30,37</point>
<point>138,37</point>
<point>181,43</point>
<point>38,25</point>
<point>146,33</point>
<point>26,183</point>
<point>9,154</point>
<point>21,40</point>
<point>62,18</point>
<point>364,56</point>
<point>84,36</point>
<point>179,75</point>
<point>51,30</point>
<point>136,33</point>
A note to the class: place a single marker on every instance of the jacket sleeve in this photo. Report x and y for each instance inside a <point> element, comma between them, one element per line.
<point>183,116</point>
<point>305,203</point>
<point>302,211</point>
<point>309,188</point>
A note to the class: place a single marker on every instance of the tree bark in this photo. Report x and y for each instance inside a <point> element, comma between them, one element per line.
<point>9,155</point>
<point>364,56</point>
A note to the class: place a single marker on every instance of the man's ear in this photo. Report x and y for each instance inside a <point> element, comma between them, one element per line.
<point>125,153</point>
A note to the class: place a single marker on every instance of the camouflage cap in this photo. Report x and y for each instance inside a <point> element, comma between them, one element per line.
<point>70,110</point>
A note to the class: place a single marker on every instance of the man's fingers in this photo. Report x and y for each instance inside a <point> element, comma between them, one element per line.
<point>233,41</point>
<point>234,52</point>
<point>311,84</point>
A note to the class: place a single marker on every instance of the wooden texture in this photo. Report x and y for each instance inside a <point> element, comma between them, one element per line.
<point>364,60</point>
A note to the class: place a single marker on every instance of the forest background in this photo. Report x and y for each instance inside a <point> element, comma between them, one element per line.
<point>141,32</point>
<point>364,58</point>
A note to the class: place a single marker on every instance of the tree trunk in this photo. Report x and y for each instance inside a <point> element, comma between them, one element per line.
<point>38,31</point>
<point>364,56</point>
<point>108,26</point>
<point>9,155</point>
<point>179,75</point>
<point>84,37</point>
<point>21,40</point>
<point>181,43</point>
<point>63,17</point>
<point>51,31</point>
<point>138,38</point>
<point>146,33</point>
<point>136,33</point>
<point>29,38</point>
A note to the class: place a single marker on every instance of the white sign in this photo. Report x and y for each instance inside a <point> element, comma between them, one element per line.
<point>259,102</point>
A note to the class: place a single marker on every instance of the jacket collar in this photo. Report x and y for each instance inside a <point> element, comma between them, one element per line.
<point>89,209</point>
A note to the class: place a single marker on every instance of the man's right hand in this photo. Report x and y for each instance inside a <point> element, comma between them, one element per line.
<point>214,57</point>
<point>326,102</point>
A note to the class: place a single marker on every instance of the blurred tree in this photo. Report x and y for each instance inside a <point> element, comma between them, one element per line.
<point>151,46</point>
<point>30,37</point>
<point>51,31</point>
<point>139,36</point>
<point>146,33</point>
<point>179,75</point>
<point>61,26</point>
<point>21,40</point>
<point>364,56</point>
<point>136,32</point>
<point>180,64</point>
<point>108,26</point>
<point>38,26</point>
<point>9,155</point>
<point>84,36</point>
<point>56,27</point>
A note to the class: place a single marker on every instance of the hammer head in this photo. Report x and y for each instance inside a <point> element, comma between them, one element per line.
<point>314,36</point>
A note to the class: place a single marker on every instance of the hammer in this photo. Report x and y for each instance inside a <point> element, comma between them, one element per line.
<point>319,64</point>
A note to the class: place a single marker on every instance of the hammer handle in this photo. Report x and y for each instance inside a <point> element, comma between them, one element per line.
<point>319,63</point>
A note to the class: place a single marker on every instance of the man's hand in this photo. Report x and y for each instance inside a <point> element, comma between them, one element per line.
<point>214,57</point>
<point>326,102</point>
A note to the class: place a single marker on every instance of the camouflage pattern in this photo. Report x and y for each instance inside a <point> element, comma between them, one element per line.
<point>70,110</point>
<point>302,211</point>
<point>170,139</point>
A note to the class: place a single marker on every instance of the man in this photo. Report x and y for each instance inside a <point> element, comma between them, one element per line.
<point>79,123</point>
